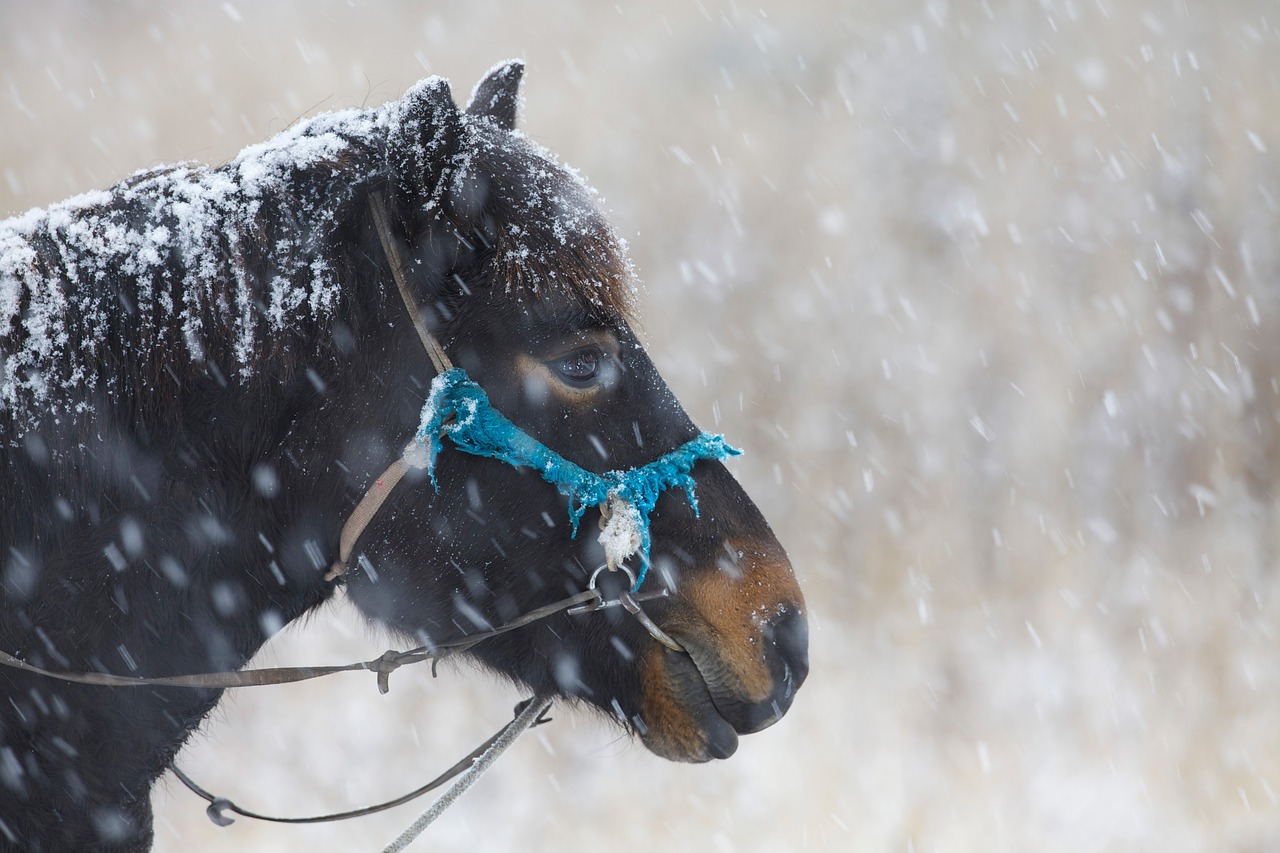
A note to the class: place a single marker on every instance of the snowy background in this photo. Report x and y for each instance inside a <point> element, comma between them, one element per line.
<point>990,291</point>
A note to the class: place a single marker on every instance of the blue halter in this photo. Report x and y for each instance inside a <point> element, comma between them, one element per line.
<point>459,408</point>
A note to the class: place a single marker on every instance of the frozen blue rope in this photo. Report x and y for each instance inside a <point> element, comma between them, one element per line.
<point>459,408</point>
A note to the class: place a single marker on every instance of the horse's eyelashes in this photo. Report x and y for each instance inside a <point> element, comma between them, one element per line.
<point>581,366</point>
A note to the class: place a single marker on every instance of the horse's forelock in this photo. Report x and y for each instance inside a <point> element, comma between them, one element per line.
<point>551,238</point>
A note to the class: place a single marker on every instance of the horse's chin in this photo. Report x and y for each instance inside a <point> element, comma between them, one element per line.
<point>681,722</point>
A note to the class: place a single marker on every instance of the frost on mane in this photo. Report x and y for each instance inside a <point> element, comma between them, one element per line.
<point>112,297</point>
<point>181,262</point>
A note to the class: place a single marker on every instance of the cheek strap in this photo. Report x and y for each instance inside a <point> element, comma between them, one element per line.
<point>459,408</point>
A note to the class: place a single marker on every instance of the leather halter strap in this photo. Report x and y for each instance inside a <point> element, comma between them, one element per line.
<point>378,204</point>
<point>414,456</point>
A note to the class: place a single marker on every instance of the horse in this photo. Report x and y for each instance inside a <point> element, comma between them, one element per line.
<point>206,372</point>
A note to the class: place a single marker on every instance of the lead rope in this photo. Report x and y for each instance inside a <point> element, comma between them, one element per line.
<point>219,806</point>
<point>527,719</point>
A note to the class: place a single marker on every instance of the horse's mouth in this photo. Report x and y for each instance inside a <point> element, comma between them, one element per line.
<point>698,703</point>
<point>685,724</point>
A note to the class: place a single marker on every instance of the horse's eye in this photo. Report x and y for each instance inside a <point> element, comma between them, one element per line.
<point>580,367</point>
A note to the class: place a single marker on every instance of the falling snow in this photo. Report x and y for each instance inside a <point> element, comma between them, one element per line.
<point>988,291</point>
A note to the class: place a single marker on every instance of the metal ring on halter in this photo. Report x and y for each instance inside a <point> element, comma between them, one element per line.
<point>591,584</point>
<point>630,603</point>
<point>600,602</point>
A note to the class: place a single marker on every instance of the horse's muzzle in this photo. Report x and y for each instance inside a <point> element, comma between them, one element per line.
<point>747,653</point>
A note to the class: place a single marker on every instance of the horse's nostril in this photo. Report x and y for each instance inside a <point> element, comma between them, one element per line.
<point>789,634</point>
<point>786,654</point>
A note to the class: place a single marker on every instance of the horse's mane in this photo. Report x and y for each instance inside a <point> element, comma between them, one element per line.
<point>177,267</point>
<point>188,271</point>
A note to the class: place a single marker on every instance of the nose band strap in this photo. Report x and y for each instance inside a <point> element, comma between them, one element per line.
<point>459,408</point>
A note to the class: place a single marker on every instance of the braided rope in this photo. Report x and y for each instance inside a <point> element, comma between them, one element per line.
<point>457,407</point>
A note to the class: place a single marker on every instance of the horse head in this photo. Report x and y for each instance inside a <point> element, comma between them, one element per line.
<point>515,271</point>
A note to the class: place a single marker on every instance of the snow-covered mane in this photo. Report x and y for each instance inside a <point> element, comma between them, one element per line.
<point>116,295</point>
<point>179,265</point>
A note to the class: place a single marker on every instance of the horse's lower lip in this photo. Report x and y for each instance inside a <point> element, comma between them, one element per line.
<point>721,738</point>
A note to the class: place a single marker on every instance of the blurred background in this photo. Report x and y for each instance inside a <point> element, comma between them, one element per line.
<point>990,293</point>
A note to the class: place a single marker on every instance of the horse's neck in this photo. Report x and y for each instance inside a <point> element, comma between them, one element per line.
<point>122,595</point>
<point>180,551</point>
<point>182,493</point>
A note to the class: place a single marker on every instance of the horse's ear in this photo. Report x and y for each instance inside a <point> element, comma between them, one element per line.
<point>422,136</point>
<point>497,96</point>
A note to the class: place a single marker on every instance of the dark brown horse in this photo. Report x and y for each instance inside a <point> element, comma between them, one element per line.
<point>202,371</point>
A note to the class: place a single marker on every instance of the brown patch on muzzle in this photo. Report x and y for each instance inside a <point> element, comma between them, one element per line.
<point>743,626</point>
